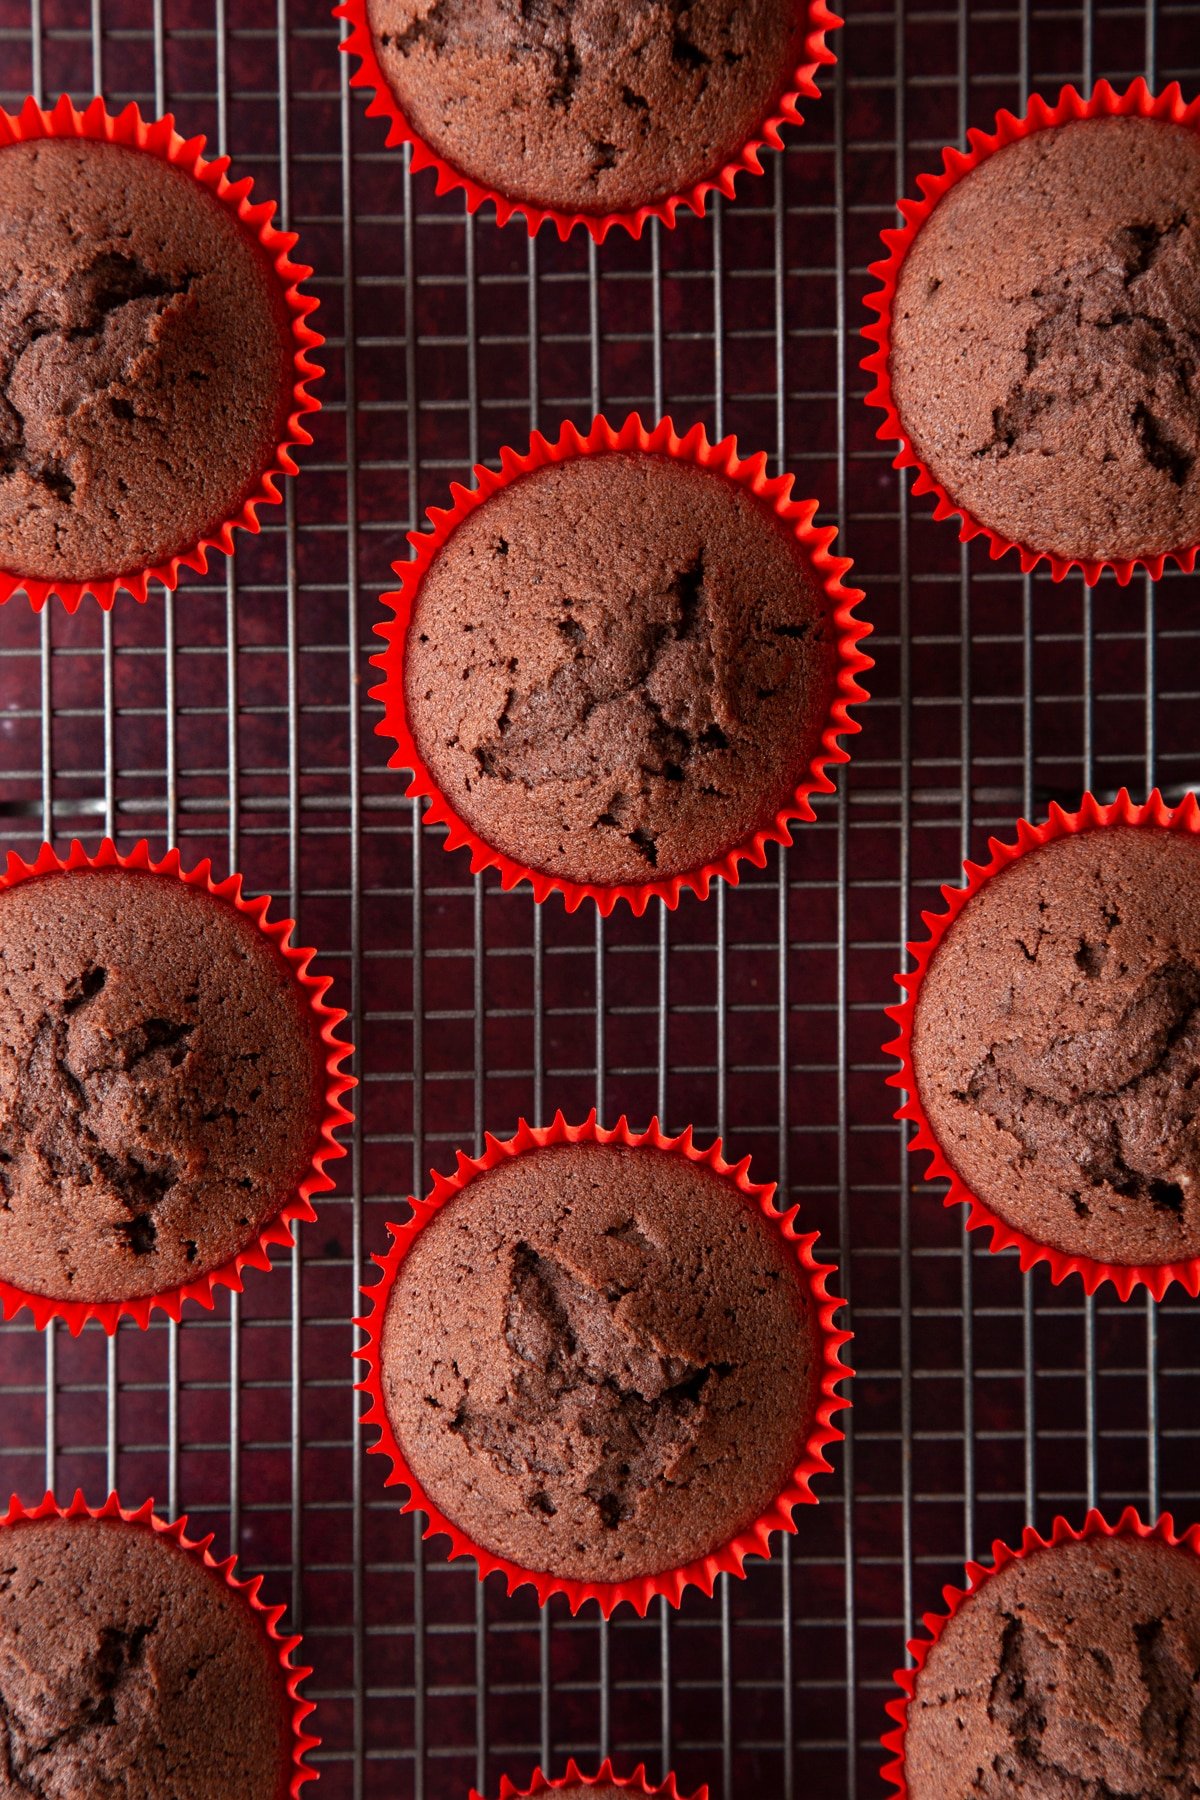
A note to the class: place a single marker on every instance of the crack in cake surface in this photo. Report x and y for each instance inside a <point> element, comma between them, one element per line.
<point>641,1405</point>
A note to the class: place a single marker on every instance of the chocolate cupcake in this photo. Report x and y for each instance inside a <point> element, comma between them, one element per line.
<point>145,361</point>
<point>1044,338</point>
<point>1071,1671</point>
<point>161,1083</point>
<point>619,667</point>
<point>127,1666</point>
<point>1056,1044</point>
<point>592,108</point>
<point>600,1362</point>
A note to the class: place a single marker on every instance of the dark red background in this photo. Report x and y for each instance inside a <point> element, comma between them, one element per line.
<point>236,719</point>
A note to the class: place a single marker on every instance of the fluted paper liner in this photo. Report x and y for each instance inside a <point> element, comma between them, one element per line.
<point>827,570</point>
<point>145,1518</point>
<point>978,1575</point>
<point>158,137</point>
<point>1125,1277</point>
<point>325,1020</point>
<point>1103,102</point>
<point>606,1776</point>
<point>359,43</point>
<point>830,1370</point>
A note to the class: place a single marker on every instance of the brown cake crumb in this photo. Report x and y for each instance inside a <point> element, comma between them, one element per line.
<point>1070,1675</point>
<point>1046,338</point>
<point>587,105</point>
<point>619,667</point>
<point>145,361</point>
<point>600,1362</point>
<point>160,1083</point>
<point>1056,1044</point>
<point>128,1668</point>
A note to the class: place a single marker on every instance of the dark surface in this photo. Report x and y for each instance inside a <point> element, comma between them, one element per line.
<point>983,1398</point>
<point>588,105</point>
<point>1056,1043</point>
<point>145,361</point>
<point>128,1668</point>
<point>1046,338</point>
<point>160,1083</point>
<point>600,1362</point>
<point>619,668</point>
<point>1070,1676</point>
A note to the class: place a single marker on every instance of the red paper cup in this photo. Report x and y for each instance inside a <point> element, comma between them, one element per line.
<point>802,85</point>
<point>1095,1525</point>
<point>145,1518</point>
<point>326,1019</point>
<point>1103,102</point>
<point>670,1583</point>
<point>1125,1277</point>
<point>663,440</point>
<point>159,138</point>
<point>605,1776</point>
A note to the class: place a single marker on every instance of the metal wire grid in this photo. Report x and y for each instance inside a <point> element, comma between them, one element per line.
<point>233,719</point>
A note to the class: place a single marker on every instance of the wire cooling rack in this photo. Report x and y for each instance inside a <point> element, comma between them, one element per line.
<point>234,720</point>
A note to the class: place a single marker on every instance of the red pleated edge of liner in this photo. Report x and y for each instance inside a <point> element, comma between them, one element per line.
<point>694,447</point>
<point>978,1574</point>
<point>269,1616</point>
<point>1103,102</point>
<point>358,42</point>
<point>159,138</point>
<point>1092,816</point>
<point>278,1230</point>
<point>670,1583</point>
<point>606,1776</point>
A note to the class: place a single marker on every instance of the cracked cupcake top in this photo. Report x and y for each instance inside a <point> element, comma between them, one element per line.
<point>619,668</point>
<point>160,1090</point>
<point>600,1362</point>
<point>1056,1044</point>
<point>1070,1675</point>
<point>145,360</point>
<point>1045,353</point>
<point>129,1669</point>
<point>587,105</point>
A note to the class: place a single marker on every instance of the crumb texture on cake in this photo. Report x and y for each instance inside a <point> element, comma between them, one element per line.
<point>1056,1044</point>
<point>619,668</point>
<point>1046,339</point>
<point>159,1084</point>
<point>128,1671</point>
<point>600,1362</point>
<point>587,105</point>
<point>1070,1675</point>
<point>144,360</point>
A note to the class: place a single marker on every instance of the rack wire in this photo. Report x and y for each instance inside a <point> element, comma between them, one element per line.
<point>234,719</point>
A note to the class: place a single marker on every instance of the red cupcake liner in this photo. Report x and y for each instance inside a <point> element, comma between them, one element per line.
<point>1092,816</point>
<point>662,440</point>
<point>278,1230</point>
<point>605,1776</point>
<point>669,1583</point>
<point>1103,102</point>
<point>159,138</point>
<point>978,1574</point>
<point>358,42</point>
<point>144,1516</point>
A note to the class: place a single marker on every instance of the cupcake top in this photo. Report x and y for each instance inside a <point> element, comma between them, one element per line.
<point>1056,1044</point>
<point>145,360</point>
<point>597,106</point>
<point>1045,333</point>
<point>1070,1672</point>
<point>600,1362</point>
<point>160,1083</point>
<point>127,1666</point>
<point>619,667</point>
